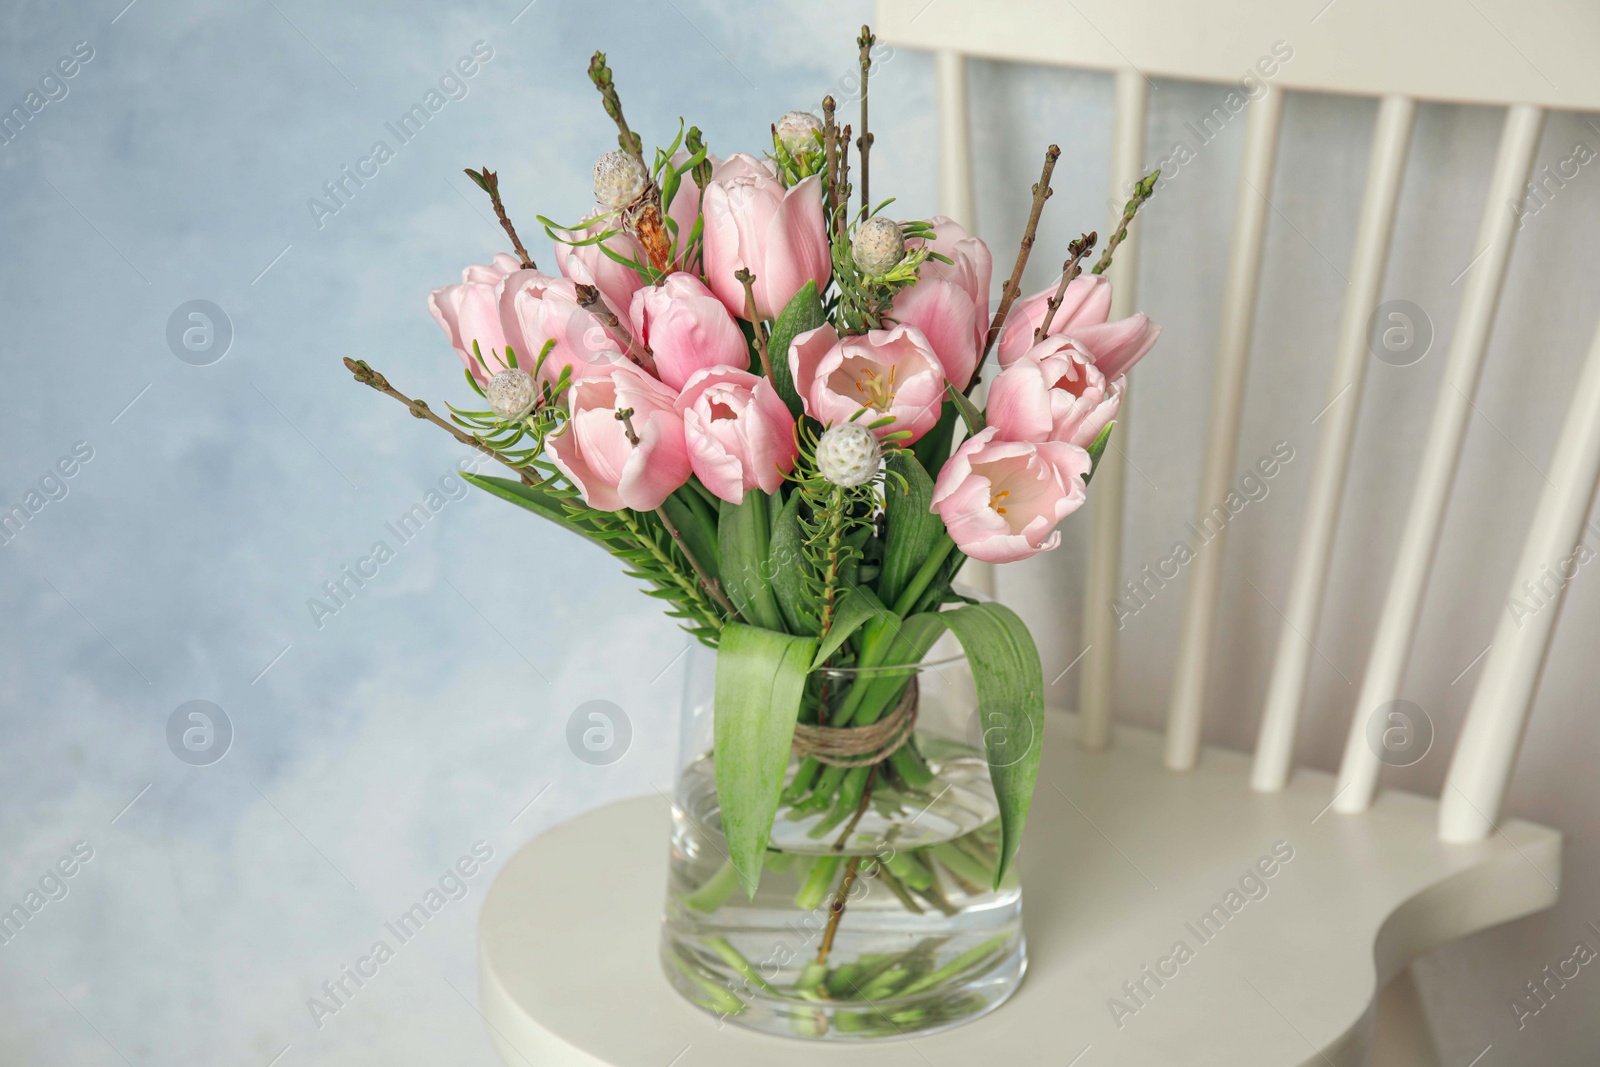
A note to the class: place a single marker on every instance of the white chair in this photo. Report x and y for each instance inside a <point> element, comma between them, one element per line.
<point>1135,847</point>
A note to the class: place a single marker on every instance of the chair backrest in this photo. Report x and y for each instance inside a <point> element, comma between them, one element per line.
<point>1526,56</point>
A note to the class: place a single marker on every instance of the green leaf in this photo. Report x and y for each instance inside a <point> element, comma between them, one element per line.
<point>699,534</point>
<point>803,313</point>
<point>969,411</point>
<point>1010,680</point>
<point>856,605</point>
<point>743,540</point>
<point>785,558</point>
<point>933,447</point>
<point>1097,448</point>
<point>910,530</point>
<point>760,678</point>
<point>539,501</point>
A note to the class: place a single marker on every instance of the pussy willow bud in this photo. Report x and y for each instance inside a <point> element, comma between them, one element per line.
<point>878,245</point>
<point>619,179</point>
<point>799,131</point>
<point>848,454</point>
<point>510,393</point>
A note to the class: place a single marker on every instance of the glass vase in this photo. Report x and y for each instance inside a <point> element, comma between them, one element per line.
<point>877,915</point>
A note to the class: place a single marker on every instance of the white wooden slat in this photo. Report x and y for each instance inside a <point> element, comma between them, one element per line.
<point>1336,437</point>
<point>1481,768</point>
<point>1493,52</point>
<point>1391,643</point>
<point>1222,436</point>
<point>957,201</point>
<point>1110,478</point>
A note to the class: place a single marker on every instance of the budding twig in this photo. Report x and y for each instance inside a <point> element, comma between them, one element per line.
<point>864,142</point>
<point>629,141</point>
<point>489,182</point>
<point>1069,270</point>
<point>589,299</point>
<point>830,153</point>
<point>756,325</point>
<point>836,909</point>
<point>1013,286</point>
<point>419,408</point>
<point>1143,191</point>
<point>712,587</point>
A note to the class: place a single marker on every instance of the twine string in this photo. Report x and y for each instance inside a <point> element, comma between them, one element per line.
<point>860,746</point>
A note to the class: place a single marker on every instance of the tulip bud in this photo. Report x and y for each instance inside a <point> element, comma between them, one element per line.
<point>878,245</point>
<point>510,394</point>
<point>619,180</point>
<point>798,130</point>
<point>848,454</point>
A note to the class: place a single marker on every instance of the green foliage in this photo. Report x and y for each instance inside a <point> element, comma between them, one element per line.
<point>760,678</point>
<point>1010,680</point>
<point>1097,448</point>
<point>744,534</point>
<point>969,411</point>
<point>804,312</point>
<point>911,529</point>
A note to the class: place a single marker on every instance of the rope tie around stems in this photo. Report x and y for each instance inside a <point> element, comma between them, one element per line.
<point>860,746</point>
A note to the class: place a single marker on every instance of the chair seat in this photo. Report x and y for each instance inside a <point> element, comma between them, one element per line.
<point>1122,861</point>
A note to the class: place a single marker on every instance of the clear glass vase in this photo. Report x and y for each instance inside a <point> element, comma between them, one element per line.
<point>876,915</point>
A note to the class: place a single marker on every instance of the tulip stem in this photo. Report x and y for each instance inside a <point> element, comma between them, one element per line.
<point>711,586</point>
<point>1141,192</point>
<point>757,327</point>
<point>419,408</point>
<point>489,182</point>
<point>864,142</point>
<point>1069,270</point>
<point>1013,286</point>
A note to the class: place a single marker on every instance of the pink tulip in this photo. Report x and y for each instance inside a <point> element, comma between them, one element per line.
<point>886,372</point>
<point>1117,346</point>
<point>752,222</point>
<point>950,301</point>
<point>1001,500</point>
<point>547,309</point>
<point>595,451</point>
<point>1054,392</point>
<point>501,304</point>
<point>686,328</point>
<point>1087,302</point>
<point>588,265</point>
<point>739,433</point>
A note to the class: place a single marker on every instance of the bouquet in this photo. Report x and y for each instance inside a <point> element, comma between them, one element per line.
<point>760,393</point>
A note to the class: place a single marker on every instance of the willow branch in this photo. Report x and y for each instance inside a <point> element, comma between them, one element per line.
<point>864,142</point>
<point>1013,286</point>
<point>590,300</point>
<point>836,909</point>
<point>830,155</point>
<point>711,586</point>
<point>1141,192</point>
<point>756,326</point>
<point>489,182</point>
<point>1069,270</point>
<point>629,141</point>
<point>419,408</point>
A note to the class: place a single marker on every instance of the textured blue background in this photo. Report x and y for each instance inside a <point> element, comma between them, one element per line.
<point>372,751</point>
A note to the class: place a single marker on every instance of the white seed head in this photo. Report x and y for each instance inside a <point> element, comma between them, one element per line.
<point>510,394</point>
<point>797,132</point>
<point>848,454</point>
<point>878,245</point>
<point>619,179</point>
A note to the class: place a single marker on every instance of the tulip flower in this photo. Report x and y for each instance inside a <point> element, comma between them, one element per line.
<point>739,434</point>
<point>886,372</point>
<point>686,329</point>
<point>634,462</point>
<point>1054,392</point>
<point>950,301</point>
<point>753,223</point>
<point>1001,500</point>
<point>1085,307</point>
<point>501,304</point>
